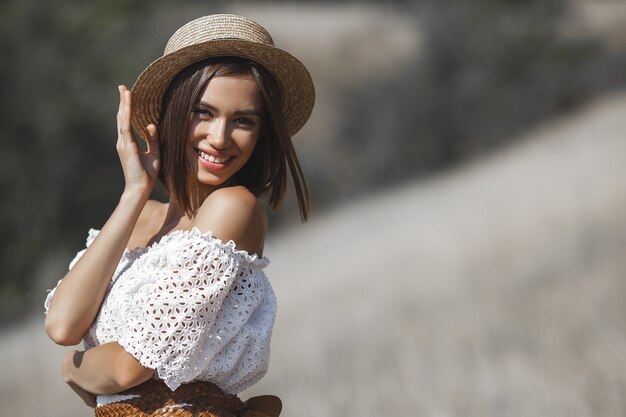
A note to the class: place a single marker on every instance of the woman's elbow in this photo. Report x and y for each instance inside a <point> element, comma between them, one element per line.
<point>61,334</point>
<point>130,373</point>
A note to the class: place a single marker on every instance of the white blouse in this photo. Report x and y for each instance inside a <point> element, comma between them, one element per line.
<point>191,307</point>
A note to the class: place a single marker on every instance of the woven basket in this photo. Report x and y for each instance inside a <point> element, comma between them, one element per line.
<point>196,399</point>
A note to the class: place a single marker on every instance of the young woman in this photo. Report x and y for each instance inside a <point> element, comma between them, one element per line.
<point>171,300</point>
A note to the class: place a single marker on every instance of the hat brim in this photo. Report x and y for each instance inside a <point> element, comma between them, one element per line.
<point>294,80</point>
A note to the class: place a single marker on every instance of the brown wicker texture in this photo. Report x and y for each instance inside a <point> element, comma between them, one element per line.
<point>223,35</point>
<point>196,399</point>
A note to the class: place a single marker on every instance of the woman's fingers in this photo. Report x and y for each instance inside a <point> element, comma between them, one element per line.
<point>124,110</point>
<point>152,138</point>
<point>152,158</point>
<point>120,108</point>
<point>125,120</point>
<point>118,118</point>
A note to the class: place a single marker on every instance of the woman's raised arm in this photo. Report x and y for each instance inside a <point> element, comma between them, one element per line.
<point>79,295</point>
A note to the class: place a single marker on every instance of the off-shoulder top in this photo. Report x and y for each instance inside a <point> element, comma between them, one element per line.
<point>191,307</point>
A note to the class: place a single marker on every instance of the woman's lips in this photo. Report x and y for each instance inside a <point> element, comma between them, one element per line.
<point>213,161</point>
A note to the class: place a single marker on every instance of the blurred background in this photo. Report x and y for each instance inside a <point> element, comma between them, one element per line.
<point>466,162</point>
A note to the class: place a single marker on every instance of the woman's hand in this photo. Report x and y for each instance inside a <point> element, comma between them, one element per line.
<point>140,168</point>
<point>67,368</point>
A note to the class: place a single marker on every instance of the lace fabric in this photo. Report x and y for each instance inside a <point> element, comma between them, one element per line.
<point>191,307</point>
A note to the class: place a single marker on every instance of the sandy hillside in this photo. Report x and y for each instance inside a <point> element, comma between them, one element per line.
<point>495,290</point>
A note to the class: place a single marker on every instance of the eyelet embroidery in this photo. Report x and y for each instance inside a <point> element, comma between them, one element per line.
<point>192,307</point>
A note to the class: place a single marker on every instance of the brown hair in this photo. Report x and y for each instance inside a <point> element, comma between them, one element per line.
<point>265,173</point>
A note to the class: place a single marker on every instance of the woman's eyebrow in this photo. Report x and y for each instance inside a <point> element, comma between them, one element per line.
<point>249,112</point>
<point>245,112</point>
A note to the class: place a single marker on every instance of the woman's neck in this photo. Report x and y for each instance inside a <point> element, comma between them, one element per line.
<point>175,218</point>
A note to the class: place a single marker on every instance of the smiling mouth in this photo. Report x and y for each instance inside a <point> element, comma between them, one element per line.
<point>211,158</point>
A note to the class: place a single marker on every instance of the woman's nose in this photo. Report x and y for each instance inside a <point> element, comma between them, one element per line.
<point>218,134</point>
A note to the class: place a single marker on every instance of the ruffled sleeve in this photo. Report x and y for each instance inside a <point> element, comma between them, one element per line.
<point>91,236</point>
<point>176,323</point>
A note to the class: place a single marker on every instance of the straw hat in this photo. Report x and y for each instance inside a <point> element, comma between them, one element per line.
<point>223,35</point>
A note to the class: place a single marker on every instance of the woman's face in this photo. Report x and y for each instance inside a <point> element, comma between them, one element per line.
<point>224,127</point>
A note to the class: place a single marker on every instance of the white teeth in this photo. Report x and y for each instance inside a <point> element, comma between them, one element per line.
<point>212,158</point>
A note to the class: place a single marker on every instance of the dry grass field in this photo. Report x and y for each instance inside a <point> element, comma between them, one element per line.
<point>495,290</point>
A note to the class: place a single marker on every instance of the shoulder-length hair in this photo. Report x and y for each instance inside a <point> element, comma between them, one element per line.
<point>265,173</point>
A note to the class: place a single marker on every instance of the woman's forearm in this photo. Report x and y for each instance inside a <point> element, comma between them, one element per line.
<point>104,370</point>
<point>79,295</point>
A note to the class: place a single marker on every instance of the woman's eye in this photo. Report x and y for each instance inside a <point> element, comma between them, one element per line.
<point>200,111</point>
<point>244,122</point>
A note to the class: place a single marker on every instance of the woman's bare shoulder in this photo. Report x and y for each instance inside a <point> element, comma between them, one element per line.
<point>234,213</point>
